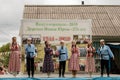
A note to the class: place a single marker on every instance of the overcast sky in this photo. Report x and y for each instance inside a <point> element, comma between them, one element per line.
<point>11,12</point>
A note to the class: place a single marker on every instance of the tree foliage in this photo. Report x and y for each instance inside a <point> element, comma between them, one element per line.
<point>5,48</point>
<point>4,51</point>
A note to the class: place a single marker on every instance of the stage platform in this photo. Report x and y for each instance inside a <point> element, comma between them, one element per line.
<point>97,78</point>
<point>55,77</point>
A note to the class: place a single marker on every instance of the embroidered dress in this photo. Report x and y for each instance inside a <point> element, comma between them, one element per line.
<point>74,60</point>
<point>14,60</point>
<point>90,62</point>
<point>48,62</point>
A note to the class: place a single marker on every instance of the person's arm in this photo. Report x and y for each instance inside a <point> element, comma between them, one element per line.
<point>94,50</point>
<point>51,51</point>
<point>11,48</point>
<point>58,51</point>
<point>34,51</point>
<point>19,50</point>
<point>66,53</point>
<point>26,49</point>
<point>98,51</point>
<point>78,51</point>
<point>72,50</point>
<point>110,52</point>
<point>86,50</point>
<point>19,47</point>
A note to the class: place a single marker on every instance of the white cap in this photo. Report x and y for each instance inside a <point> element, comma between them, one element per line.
<point>29,38</point>
<point>102,40</point>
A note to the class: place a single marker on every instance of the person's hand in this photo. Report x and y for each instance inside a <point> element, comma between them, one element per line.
<point>34,56</point>
<point>20,56</point>
<point>51,53</point>
<point>113,58</point>
<point>94,50</point>
<point>56,53</point>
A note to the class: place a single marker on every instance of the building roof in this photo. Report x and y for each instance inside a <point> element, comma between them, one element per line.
<point>105,18</point>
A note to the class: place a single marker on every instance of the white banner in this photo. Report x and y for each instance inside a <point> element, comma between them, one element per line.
<point>55,30</point>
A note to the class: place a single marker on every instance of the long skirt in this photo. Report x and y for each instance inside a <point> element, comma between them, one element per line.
<point>48,64</point>
<point>14,62</point>
<point>90,64</point>
<point>74,63</point>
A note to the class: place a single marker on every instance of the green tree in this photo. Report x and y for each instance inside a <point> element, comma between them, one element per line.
<point>5,48</point>
<point>5,57</point>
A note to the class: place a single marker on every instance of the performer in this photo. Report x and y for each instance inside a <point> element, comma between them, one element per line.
<point>74,59</point>
<point>63,56</point>
<point>15,55</point>
<point>106,54</point>
<point>90,62</point>
<point>48,66</point>
<point>30,55</point>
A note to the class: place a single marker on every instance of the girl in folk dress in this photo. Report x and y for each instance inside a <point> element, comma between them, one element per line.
<point>74,59</point>
<point>14,61</point>
<point>48,66</point>
<point>90,62</point>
